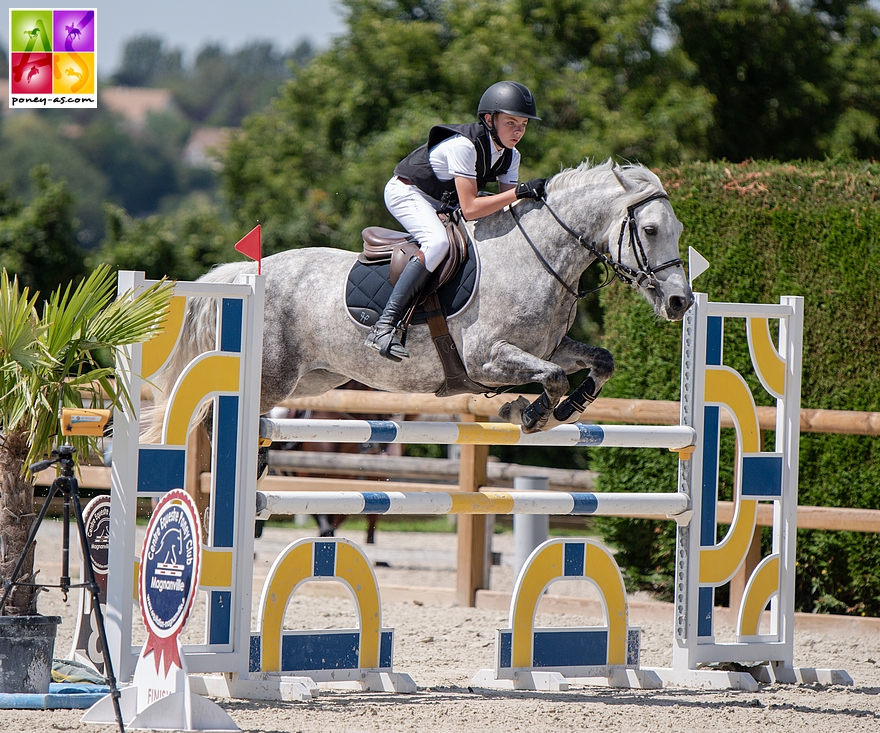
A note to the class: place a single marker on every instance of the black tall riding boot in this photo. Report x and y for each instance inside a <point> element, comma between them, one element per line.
<point>385,336</point>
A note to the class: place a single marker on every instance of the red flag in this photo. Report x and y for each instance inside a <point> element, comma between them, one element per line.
<point>249,246</point>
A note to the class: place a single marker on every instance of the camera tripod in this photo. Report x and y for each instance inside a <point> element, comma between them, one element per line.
<point>67,485</point>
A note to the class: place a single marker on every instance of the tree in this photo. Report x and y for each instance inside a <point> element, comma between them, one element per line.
<point>856,62</point>
<point>222,89</point>
<point>140,169</point>
<point>311,168</point>
<point>31,140</point>
<point>182,245</point>
<point>38,241</point>
<point>145,62</point>
<point>50,361</point>
<point>790,80</point>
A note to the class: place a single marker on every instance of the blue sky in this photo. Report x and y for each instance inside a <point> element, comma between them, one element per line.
<point>190,24</point>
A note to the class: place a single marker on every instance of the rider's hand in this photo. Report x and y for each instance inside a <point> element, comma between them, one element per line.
<point>533,189</point>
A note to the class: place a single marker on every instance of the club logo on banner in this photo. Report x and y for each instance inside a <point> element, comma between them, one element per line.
<point>52,58</point>
<point>87,643</point>
<point>169,576</point>
<point>96,518</point>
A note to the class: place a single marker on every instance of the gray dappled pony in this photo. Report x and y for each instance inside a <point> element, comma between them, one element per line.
<point>512,332</point>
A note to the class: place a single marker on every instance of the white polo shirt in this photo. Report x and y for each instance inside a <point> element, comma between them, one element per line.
<point>456,156</point>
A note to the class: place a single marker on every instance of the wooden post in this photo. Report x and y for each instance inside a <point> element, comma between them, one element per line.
<point>471,570</point>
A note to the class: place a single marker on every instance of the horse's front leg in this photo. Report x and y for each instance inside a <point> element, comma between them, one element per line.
<point>573,356</point>
<point>508,364</point>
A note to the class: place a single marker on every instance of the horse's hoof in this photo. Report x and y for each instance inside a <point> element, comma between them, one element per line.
<point>512,411</point>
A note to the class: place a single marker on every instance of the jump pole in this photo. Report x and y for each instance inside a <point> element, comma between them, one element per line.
<point>657,505</point>
<point>673,437</point>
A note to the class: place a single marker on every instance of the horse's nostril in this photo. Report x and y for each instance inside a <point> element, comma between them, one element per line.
<point>677,304</point>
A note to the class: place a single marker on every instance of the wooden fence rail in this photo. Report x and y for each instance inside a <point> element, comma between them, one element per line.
<point>639,412</point>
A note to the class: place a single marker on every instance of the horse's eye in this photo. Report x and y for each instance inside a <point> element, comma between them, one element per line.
<point>650,230</point>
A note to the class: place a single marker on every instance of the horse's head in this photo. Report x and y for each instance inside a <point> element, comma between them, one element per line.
<point>643,247</point>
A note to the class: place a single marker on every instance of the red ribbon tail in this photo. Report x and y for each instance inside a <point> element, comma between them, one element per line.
<point>164,650</point>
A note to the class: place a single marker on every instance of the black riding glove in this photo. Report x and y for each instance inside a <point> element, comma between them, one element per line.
<point>533,189</point>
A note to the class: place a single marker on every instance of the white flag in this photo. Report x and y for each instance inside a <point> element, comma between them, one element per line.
<point>697,265</point>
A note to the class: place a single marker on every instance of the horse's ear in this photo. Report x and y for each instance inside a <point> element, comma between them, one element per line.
<point>624,184</point>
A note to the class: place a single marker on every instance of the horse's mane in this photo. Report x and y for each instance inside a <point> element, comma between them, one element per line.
<point>644,182</point>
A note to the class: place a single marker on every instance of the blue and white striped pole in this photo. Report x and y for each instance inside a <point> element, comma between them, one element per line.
<point>673,437</point>
<point>659,505</point>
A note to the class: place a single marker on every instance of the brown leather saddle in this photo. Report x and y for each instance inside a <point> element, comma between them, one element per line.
<point>382,244</point>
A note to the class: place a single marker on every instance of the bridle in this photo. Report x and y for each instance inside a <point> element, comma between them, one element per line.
<point>644,276</point>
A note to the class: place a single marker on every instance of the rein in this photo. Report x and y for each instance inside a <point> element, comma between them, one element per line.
<point>632,277</point>
<point>578,294</point>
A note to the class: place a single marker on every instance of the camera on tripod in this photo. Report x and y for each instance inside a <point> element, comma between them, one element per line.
<point>75,421</point>
<point>83,421</point>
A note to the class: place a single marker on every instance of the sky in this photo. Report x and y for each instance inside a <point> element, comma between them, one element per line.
<point>191,24</point>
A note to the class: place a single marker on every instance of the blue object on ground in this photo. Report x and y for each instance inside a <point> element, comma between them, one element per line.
<point>60,695</point>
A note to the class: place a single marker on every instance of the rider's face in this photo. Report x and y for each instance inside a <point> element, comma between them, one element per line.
<point>510,129</point>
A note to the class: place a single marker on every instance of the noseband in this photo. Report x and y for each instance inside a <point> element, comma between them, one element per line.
<point>644,276</point>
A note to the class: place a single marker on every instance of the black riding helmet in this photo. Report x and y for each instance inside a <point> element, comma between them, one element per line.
<point>509,97</point>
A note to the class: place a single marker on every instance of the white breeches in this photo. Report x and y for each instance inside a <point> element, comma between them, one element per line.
<point>417,213</point>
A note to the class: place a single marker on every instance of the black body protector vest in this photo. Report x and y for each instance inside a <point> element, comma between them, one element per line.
<point>417,166</point>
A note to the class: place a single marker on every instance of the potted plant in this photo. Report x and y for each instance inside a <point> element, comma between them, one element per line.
<point>59,354</point>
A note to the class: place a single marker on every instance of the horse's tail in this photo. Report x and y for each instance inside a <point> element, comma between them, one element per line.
<point>197,335</point>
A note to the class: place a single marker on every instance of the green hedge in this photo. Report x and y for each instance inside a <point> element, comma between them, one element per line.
<point>768,229</point>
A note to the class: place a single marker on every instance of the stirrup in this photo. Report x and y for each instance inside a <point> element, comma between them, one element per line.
<point>387,344</point>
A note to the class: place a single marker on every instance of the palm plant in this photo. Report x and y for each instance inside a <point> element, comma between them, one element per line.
<point>60,358</point>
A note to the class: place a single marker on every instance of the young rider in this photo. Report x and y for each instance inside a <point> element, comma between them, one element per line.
<point>451,168</point>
